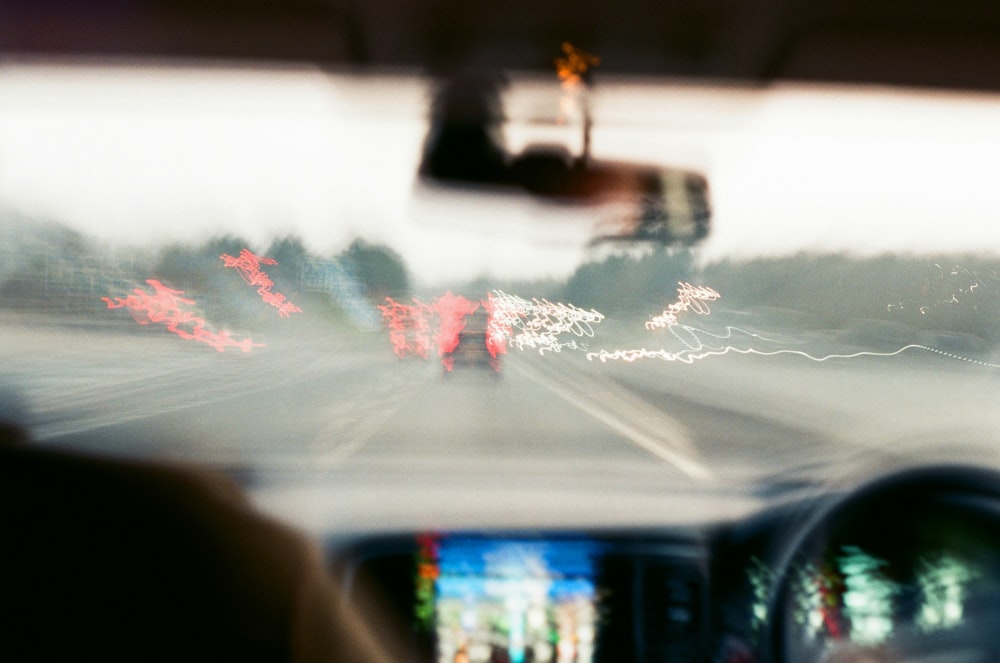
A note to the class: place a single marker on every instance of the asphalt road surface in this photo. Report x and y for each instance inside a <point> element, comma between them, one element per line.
<point>335,432</point>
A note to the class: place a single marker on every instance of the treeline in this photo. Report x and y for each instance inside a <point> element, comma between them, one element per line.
<point>953,293</point>
<point>48,267</point>
<point>630,283</point>
<point>334,285</point>
<point>956,293</point>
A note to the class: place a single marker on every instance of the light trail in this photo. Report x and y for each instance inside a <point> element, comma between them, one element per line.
<point>689,298</point>
<point>409,327</point>
<point>695,334</point>
<point>165,306</point>
<point>538,323</point>
<point>248,266</point>
<point>415,328</point>
<point>510,320</point>
<point>695,299</point>
<point>451,311</point>
<point>688,357</point>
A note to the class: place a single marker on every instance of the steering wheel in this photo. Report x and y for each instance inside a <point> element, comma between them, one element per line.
<point>904,569</point>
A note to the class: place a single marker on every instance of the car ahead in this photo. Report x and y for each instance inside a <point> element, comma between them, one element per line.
<point>476,346</point>
<point>751,421</point>
<point>472,351</point>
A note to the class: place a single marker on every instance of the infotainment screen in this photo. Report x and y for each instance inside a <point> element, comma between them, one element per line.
<point>508,600</point>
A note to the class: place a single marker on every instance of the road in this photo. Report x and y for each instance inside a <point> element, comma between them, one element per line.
<point>336,432</point>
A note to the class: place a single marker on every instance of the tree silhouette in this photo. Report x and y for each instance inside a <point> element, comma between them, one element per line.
<point>379,269</point>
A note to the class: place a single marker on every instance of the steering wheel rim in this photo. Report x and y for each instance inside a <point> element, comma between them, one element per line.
<point>969,490</point>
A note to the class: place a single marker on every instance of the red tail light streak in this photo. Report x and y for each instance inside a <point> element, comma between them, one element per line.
<point>248,266</point>
<point>166,306</point>
<point>509,321</point>
<point>409,327</point>
<point>451,311</point>
<point>415,328</point>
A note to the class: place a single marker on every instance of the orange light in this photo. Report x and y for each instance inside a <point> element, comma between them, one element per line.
<point>571,66</point>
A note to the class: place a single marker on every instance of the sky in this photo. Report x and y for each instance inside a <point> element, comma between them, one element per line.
<point>144,153</point>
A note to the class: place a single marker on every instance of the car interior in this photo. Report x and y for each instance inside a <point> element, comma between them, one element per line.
<point>451,332</point>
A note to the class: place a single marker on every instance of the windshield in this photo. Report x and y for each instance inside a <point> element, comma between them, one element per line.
<point>306,277</point>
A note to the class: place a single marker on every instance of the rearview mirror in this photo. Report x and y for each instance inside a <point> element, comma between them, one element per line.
<point>464,148</point>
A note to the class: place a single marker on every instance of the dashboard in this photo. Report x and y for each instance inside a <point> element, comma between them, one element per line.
<point>905,568</point>
<point>523,596</point>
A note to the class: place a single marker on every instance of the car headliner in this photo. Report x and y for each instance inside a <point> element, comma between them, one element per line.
<point>901,42</point>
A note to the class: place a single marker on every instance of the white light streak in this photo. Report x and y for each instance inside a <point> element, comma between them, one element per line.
<point>691,357</point>
<point>539,323</point>
<point>689,298</point>
<point>695,298</point>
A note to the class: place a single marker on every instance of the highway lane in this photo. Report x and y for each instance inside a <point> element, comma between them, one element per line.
<point>302,405</point>
<point>306,408</point>
<point>340,424</point>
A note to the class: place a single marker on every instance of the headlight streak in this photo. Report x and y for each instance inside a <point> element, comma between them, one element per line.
<point>165,306</point>
<point>695,299</point>
<point>694,342</point>
<point>689,298</point>
<point>688,357</point>
<point>248,266</point>
<point>497,328</point>
<point>537,324</point>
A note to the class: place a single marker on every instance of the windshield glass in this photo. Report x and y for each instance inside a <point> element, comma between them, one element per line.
<point>437,299</point>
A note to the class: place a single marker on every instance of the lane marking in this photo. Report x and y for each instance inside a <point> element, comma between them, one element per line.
<point>194,385</point>
<point>674,436</point>
<point>373,405</point>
